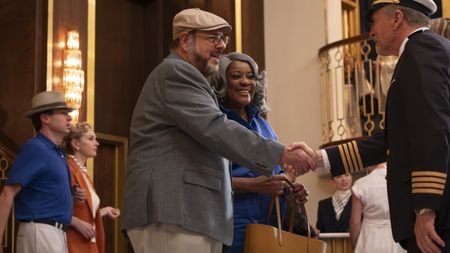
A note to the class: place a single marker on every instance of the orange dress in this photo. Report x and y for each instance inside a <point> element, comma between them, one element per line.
<point>77,243</point>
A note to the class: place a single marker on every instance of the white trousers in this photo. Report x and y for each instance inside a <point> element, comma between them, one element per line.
<point>168,238</point>
<point>40,238</point>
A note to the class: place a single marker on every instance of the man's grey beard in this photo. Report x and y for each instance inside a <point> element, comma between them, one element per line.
<point>210,69</point>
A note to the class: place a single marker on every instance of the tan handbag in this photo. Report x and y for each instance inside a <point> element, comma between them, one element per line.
<point>261,238</point>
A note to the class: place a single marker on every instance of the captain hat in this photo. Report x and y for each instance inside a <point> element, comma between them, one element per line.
<point>426,7</point>
<point>195,19</point>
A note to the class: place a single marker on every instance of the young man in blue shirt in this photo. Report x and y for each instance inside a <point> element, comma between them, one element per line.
<point>39,180</point>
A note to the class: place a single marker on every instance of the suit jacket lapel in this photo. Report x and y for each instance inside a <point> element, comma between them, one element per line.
<point>82,183</point>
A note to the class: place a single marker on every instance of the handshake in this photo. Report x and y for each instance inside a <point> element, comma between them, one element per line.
<point>298,159</point>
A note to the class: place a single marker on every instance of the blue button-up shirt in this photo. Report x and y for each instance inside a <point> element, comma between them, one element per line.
<point>250,208</point>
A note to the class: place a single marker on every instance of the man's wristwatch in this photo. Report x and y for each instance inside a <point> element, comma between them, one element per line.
<point>423,211</point>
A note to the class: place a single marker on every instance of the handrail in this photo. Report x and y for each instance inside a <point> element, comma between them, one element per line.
<point>338,43</point>
<point>354,83</point>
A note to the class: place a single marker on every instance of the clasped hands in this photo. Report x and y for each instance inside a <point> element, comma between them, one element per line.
<point>276,185</point>
<point>298,159</point>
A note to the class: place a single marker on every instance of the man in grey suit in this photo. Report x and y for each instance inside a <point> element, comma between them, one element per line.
<point>178,195</point>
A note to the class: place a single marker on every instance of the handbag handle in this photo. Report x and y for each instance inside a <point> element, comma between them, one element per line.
<point>276,199</point>
<point>277,206</point>
<point>302,211</point>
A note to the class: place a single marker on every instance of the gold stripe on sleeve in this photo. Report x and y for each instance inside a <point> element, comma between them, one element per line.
<point>349,159</point>
<point>352,153</point>
<point>358,156</point>
<point>428,185</point>
<point>428,179</point>
<point>344,161</point>
<point>426,190</point>
<point>429,174</point>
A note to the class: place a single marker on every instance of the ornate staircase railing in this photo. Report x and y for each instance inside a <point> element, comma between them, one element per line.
<point>354,84</point>
<point>7,157</point>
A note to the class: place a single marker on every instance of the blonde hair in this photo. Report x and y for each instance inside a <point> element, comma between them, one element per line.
<point>76,132</point>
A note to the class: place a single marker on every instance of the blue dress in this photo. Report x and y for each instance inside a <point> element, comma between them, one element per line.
<point>250,208</point>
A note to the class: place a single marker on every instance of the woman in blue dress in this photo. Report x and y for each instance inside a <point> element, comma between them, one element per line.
<point>241,89</point>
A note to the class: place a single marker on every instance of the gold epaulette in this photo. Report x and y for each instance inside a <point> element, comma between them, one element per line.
<point>432,182</point>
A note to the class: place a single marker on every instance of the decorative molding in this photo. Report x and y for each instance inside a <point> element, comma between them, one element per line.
<point>238,24</point>
<point>90,77</point>
<point>120,160</point>
<point>49,78</point>
<point>446,8</point>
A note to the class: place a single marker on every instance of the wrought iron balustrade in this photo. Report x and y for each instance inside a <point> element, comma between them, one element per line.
<point>354,84</point>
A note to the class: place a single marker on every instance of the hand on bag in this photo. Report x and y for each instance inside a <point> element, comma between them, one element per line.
<point>298,191</point>
<point>272,185</point>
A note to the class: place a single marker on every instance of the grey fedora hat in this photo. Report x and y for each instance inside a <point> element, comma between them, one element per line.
<point>47,100</point>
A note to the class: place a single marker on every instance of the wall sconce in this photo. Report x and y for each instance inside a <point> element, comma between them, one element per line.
<point>73,75</point>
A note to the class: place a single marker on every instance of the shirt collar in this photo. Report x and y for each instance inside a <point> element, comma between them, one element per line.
<point>47,142</point>
<point>402,46</point>
<point>252,112</point>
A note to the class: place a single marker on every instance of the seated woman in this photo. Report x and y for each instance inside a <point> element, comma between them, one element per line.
<point>86,231</point>
<point>240,89</point>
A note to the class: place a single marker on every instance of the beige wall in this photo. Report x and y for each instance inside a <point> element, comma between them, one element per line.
<point>294,31</point>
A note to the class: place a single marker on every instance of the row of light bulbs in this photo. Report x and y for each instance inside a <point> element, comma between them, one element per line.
<point>73,74</point>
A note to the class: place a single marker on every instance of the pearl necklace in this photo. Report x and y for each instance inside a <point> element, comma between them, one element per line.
<point>82,167</point>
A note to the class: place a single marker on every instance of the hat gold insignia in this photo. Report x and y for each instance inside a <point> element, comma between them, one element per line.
<point>385,1</point>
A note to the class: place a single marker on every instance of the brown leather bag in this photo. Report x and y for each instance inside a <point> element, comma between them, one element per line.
<point>261,238</point>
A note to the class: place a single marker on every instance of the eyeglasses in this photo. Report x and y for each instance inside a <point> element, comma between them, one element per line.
<point>216,38</point>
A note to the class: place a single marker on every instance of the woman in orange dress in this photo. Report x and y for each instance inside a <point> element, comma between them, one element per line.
<point>86,232</point>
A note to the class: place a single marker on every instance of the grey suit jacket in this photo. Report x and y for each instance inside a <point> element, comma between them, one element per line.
<point>177,172</point>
